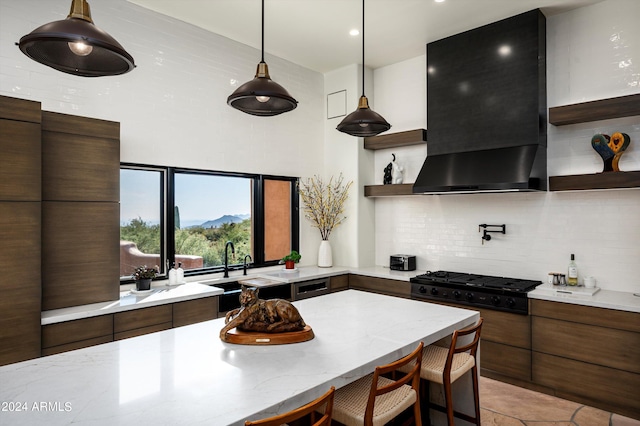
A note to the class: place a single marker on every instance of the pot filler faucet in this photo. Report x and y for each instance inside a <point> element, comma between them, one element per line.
<point>485,234</point>
<point>226,257</point>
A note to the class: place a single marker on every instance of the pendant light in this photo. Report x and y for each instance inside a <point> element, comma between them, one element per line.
<point>76,46</point>
<point>262,96</point>
<point>363,121</point>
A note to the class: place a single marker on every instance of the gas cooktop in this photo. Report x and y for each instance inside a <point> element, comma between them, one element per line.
<point>499,293</point>
<point>474,280</point>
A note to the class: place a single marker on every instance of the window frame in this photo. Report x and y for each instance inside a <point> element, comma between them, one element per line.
<point>167,213</point>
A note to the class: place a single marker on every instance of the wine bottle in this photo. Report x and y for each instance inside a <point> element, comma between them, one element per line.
<point>572,273</point>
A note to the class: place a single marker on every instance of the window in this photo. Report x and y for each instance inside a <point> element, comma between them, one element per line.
<point>201,211</point>
<point>141,219</point>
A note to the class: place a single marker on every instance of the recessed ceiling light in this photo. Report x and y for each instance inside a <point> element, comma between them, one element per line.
<point>354,32</point>
<point>439,1</point>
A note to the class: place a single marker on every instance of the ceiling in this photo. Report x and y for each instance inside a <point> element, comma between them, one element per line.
<point>315,33</point>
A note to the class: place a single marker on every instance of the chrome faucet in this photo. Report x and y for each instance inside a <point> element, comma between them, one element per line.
<point>226,257</point>
<point>244,264</point>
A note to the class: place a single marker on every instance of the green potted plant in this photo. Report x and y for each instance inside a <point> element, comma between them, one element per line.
<point>291,259</point>
<point>143,276</point>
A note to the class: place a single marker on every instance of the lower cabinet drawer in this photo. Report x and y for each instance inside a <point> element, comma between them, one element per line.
<point>602,387</point>
<point>589,343</point>
<point>505,360</point>
<point>76,334</point>
<point>193,311</point>
<point>142,321</point>
<point>381,285</point>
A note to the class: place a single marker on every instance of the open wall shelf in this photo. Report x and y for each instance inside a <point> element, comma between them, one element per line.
<point>394,140</point>
<point>604,109</point>
<point>388,190</point>
<point>608,180</point>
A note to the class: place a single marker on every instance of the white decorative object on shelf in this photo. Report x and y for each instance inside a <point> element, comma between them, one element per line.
<point>396,171</point>
<point>325,257</point>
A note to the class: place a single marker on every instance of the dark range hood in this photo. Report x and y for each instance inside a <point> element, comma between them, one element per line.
<point>486,109</point>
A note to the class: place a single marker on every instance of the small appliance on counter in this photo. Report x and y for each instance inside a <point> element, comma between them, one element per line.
<point>402,262</point>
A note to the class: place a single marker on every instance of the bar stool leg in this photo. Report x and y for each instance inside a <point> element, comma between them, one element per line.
<point>425,402</point>
<point>448,402</point>
<point>476,393</point>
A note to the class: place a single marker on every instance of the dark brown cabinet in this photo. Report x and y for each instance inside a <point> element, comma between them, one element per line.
<point>339,283</point>
<point>380,285</point>
<point>20,230</point>
<point>80,222</point>
<point>587,354</point>
<point>76,334</point>
<point>142,321</point>
<point>193,311</point>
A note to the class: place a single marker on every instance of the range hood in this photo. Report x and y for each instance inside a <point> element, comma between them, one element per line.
<point>486,109</point>
<point>520,168</point>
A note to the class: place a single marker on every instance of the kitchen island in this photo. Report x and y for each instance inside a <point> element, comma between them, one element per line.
<point>187,375</point>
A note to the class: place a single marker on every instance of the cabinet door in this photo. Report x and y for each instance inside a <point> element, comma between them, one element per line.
<point>80,253</point>
<point>21,159</point>
<point>20,283</point>
<point>80,158</point>
<point>193,311</point>
<point>380,285</point>
<point>71,335</point>
<point>339,282</point>
<point>142,321</point>
<point>81,211</point>
<point>602,387</point>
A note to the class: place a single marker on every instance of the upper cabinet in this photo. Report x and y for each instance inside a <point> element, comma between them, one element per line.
<point>604,109</point>
<point>393,140</point>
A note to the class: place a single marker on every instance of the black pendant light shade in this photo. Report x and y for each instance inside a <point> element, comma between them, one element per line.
<point>262,96</point>
<point>76,46</point>
<point>364,121</point>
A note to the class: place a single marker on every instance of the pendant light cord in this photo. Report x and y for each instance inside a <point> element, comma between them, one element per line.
<point>363,48</point>
<point>262,30</point>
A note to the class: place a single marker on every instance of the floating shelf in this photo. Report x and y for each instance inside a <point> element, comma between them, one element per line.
<point>388,190</point>
<point>607,180</point>
<point>604,109</point>
<point>394,140</point>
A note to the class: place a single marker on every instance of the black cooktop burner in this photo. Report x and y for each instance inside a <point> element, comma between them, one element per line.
<point>474,280</point>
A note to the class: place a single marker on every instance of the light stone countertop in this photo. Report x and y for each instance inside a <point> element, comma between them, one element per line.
<point>163,294</point>
<point>618,300</point>
<point>187,375</point>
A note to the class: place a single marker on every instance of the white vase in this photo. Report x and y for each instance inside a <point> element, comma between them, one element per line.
<point>325,258</point>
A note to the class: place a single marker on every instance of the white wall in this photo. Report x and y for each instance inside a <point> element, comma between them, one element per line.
<point>172,107</point>
<point>592,53</point>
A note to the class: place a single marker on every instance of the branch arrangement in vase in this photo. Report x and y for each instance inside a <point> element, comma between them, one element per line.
<point>324,202</point>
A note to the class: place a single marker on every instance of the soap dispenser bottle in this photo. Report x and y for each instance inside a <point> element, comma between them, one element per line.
<point>173,274</point>
<point>180,273</point>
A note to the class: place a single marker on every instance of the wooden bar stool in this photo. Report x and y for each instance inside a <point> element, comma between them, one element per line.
<point>311,408</point>
<point>376,400</point>
<point>446,365</point>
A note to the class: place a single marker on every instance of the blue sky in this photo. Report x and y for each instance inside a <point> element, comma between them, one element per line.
<point>199,197</point>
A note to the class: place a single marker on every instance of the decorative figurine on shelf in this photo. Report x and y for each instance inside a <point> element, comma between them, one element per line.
<point>254,314</point>
<point>393,172</point>
<point>387,174</point>
<point>396,171</point>
<point>610,149</point>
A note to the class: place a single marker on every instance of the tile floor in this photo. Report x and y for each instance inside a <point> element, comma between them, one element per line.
<point>502,404</point>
